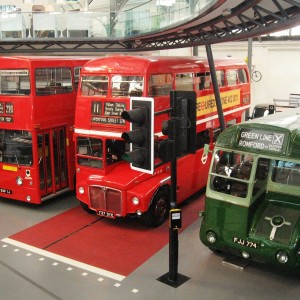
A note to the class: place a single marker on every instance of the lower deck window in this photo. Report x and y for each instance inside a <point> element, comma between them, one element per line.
<point>16,147</point>
<point>95,152</point>
<point>231,173</point>
<point>286,172</point>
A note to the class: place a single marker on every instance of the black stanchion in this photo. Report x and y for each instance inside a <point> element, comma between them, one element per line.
<point>173,278</point>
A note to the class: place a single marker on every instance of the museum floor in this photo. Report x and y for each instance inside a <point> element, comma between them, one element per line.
<point>58,251</point>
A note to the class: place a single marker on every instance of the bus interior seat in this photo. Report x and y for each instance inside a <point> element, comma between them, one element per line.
<point>281,174</point>
<point>294,177</point>
<point>135,93</point>
<point>239,189</point>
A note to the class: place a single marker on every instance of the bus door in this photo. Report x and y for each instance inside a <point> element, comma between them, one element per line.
<point>52,160</point>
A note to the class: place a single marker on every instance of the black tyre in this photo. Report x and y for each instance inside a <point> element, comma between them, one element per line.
<point>159,209</point>
<point>86,208</point>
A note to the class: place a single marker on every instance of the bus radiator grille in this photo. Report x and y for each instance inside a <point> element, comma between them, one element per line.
<point>107,199</point>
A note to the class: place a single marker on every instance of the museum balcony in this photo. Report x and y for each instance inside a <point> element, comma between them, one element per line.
<point>123,19</point>
<point>93,26</point>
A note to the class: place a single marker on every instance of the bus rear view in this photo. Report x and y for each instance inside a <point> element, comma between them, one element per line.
<point>252,205</point>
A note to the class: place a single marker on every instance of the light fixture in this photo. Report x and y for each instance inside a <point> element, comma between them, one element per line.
<point>226,12</point>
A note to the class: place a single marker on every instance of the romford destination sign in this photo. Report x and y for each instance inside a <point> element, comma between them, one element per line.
<point>261,139</point>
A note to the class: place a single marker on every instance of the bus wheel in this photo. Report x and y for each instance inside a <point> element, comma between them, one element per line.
<point>158,210</point>
<point>86,208</point>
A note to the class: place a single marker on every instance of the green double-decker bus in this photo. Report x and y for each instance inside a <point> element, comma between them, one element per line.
<point>252,204</point>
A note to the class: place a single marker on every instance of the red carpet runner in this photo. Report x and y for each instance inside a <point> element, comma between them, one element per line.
<point>118,246</point>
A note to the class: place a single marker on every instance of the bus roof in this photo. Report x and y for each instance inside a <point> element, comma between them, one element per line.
<point>259,135</point>
<point>13,62</point>
<point>289,119</point>
<point>141,64</point>
<point>46,57</point>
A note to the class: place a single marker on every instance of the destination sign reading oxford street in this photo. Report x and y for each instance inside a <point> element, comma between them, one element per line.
<point>261,139</point>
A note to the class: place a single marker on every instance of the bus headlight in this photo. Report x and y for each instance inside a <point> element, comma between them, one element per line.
<point>19,180</point>
<point>135,200</point>
<point>282,257</point>
<point>211,237</point>
<point>81,190</point>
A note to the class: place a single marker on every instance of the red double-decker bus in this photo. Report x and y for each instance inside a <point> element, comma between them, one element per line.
<point>37,106</point>
<point>105,182</point>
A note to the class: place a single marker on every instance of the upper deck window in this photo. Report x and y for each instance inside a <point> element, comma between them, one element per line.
<point>14,82</point>
<point>203,81</point>
<point>220,77</point>
<point>127,86</point>
<point>160,85</point>
<point>76,76</point>
<point>231,76</point>
<point>50,81</point>
<point>184,82</point>
<point>242,76</point>
<point>94,85</point>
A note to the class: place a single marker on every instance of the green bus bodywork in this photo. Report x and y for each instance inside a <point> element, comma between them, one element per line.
<point>252,205</point>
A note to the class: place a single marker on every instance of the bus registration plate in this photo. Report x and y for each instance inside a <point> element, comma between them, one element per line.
<point>245,243</point>
<point>5,191</point>
<point>106,214</point>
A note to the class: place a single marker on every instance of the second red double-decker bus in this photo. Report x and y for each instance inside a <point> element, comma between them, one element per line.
<point>105,182</point>
<point>37,106</point>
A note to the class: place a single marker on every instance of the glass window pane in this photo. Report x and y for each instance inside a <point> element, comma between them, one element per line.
<point>16,147</point>
<point>94,85</point>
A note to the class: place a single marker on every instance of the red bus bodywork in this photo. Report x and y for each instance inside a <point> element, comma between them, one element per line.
<point>113,189</point>
<point>37,106</point>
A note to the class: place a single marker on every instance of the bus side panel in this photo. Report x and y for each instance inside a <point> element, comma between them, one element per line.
<point>226,220</point>
<point>145,191</point>
<point>192,173</point>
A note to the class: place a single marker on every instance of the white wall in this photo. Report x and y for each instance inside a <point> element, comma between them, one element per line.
<point>279,63</point>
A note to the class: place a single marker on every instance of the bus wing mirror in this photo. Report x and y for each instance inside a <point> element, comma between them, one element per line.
<point>271,109</point>
<point>206,149</point>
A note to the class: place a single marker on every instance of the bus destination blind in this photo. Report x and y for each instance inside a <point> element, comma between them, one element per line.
<point>6,110</point>
<point>110,113</point>
<point>261,139</point>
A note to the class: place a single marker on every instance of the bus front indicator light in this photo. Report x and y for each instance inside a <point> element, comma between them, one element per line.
<point>211,237</point>
<point>19,180</point>
<point>282,257</point>
<point>28,198</point>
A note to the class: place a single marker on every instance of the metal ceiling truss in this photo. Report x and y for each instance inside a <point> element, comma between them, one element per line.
<point>249,18</point>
